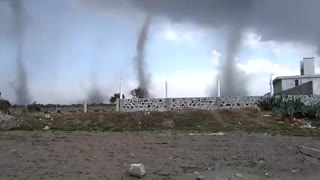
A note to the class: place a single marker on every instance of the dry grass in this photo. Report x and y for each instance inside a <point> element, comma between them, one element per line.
<point>250,120</point>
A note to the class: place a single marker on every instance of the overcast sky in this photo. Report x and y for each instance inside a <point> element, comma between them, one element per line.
<point>67,43</point>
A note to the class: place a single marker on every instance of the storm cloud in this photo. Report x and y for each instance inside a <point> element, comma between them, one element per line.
<point>281,21</point>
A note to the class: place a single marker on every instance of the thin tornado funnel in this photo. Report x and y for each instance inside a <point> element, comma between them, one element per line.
<point>21,84</point>
<point>144,79</point>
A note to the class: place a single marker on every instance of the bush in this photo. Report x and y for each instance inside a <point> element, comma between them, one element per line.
<point>4,105</point>
<point>289,107</point>
<point>34,107</point>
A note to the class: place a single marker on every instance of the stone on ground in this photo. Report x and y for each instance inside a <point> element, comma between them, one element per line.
<point>137,170</point>
<point>46,128</point>
<point>200,177</point>
<point>309,151</point>
<point>8,122</point>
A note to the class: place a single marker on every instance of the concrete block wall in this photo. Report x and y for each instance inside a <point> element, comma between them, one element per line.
<point>207,103</point>
<point>131,105</point>
<point>234,102</point>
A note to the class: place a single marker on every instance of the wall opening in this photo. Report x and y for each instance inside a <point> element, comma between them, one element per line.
<point>296,82</point>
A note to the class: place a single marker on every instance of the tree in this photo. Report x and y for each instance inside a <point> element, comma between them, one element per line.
<point>4,105</point>
<point>114,98</point>
<point>34,107</point>
<point>138,93</point>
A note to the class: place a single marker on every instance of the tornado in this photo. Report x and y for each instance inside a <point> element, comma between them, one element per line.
<point>233,81</point>
<point>144,79</point>
<point>21,89</point>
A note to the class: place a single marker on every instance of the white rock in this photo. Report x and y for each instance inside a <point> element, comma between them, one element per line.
<point>266,115</point>
<point>137,170</point>
<point>47,115</point>
<point>216,134</point>
<point>238,175</point>
<point>46,128</point>
<point>309,151</point>
<point>207,134</point>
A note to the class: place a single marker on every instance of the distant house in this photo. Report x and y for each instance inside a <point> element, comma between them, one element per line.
<point>308,83</point>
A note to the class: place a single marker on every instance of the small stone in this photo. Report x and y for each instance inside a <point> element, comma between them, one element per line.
<point>238,175</point>
<point>46,128</point>
<point>137,170</point>
<point>266,115</point>
<point>47,115</point>
<point>200,177</point>
<point>295,170</point>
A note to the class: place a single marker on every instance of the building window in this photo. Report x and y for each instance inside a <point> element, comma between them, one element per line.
<point>296,82</point>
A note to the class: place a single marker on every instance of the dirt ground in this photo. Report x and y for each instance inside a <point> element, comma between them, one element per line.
<point>166,155</point>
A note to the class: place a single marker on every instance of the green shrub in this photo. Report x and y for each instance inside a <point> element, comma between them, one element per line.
<point>4,105</point>
<point>289,107</point>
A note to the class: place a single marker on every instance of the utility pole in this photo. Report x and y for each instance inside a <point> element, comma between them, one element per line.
<point>120,88</point>
<point>166,88</point>
<point>218,87</point>
<point>271,85</point>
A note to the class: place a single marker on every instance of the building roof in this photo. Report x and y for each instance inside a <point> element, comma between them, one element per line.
<point>296,77</point>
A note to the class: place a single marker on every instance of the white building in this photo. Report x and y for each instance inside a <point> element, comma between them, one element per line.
<point>305,84</point>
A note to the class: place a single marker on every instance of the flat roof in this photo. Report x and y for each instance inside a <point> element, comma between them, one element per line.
<point>296,77</point>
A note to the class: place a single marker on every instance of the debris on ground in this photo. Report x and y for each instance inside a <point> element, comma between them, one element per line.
<point>46,128</point>
<point>199,176</point>
<point>266,115</point>
<point>47,115</point>
<point>207,134</point>
<point>309,151</point>
<point>295,170</point>
<point>137,170</point>
<point>308,125</point>
<point>238,175</point>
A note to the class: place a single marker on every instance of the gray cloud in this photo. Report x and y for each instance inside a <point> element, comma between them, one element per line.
<point>276,20</point>
<point>280,20</point>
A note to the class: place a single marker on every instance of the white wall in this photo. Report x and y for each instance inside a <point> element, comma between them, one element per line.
<point>290,83</point>
<point>316,86</point>
<point>309,66</point>
<point>277,87</point>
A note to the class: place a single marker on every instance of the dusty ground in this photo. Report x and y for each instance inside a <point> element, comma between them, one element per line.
<point>166,155</point>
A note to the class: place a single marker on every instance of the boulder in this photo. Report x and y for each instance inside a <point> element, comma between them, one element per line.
<point>137,170</point>
<point>8,122</point>
<point>46,128</point>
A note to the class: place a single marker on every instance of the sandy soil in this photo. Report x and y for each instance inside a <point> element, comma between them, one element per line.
<point>166,155</point>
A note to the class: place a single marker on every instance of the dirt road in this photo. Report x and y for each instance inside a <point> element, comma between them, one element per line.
<point>166,155</point>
